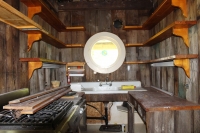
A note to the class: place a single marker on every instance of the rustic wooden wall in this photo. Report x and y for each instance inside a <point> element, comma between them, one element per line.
<point>42,78</point>
<point>94,21</point>
<point>13,45</point>
<point>102,21</point>
<point>174,79</point>
<point>13,74</point>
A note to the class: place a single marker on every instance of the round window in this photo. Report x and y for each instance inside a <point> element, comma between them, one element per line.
<point>104,52</point>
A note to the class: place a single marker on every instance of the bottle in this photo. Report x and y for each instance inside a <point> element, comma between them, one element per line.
<point>68,79</point>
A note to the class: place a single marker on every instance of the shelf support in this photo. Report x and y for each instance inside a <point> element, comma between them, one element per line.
<point>182,5</point>
<point>33,10</point>
<point>183,63</point>
<point>32,38</point>
<point>182,32</point>
<point>32,66</point>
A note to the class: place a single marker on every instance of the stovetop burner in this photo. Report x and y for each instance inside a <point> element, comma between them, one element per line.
<point>47,118</point>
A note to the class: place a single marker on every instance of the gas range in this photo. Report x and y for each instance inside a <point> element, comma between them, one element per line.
<point>54,118</point>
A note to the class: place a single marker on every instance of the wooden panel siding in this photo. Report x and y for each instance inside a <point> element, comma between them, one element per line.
<point>13,45</point>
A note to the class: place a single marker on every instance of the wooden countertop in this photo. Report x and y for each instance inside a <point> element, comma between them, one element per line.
<point>155,100</point>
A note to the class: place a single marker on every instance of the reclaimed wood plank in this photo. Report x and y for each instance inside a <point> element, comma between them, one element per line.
<point>36,95</point>
<point>159,119</point>
<point>43,104</point>
<point>154,100</point>
<point>15,18</point>
<point>166,7</point>
<point>181,126</point>
<point>33,102</point>
<point>169,58</point>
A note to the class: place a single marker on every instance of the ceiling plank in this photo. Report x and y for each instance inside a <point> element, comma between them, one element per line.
<point>111,5</point>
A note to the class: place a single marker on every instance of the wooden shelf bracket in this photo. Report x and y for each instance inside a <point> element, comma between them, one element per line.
<point>32,38</point>
<point>34,10</point>
<point>182,5</point>
<point>32,66</point>
<point>36,63</point>
<point>183,33</point>
<point>183,63</point>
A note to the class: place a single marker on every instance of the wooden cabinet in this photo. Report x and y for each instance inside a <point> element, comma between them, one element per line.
<point>75,68</point>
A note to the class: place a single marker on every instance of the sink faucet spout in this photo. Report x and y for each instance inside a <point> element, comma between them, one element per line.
<point>106,82</point>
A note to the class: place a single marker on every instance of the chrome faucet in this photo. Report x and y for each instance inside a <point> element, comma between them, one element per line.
<point>106,82</point>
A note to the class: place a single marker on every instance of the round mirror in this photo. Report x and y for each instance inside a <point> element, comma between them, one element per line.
<point>104,52</point>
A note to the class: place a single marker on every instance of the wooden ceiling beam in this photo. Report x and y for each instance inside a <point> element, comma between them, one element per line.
<point>111,5</point>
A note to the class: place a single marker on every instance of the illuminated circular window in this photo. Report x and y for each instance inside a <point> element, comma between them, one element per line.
<point>104,52</point>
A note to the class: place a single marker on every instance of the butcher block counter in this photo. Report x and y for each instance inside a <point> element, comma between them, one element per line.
<point>162,112</point>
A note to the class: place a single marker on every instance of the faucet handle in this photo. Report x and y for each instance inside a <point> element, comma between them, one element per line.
<point>110,84</point>
<point>100,84</point>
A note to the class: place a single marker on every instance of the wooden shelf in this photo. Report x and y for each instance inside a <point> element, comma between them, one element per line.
<point>36,63</point>
<point>166,7</point>
<point>75,68</point>
<point>13,17</point>
<point>39,7</point>
<point>37,35</point>
<point>179,61</point>
<point>178,28</point>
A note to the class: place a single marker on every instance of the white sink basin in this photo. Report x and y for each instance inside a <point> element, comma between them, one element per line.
<point>105,88</point>
<point>95,88</point>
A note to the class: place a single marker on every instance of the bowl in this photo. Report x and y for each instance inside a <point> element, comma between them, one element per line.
<point>55,83</point>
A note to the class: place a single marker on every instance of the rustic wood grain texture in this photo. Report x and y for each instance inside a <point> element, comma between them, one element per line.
<point>174,79</point>
<point>192,91</point>
<point>2,58</point>
<point>155,100</point>
<point>106,97</point>
<point>131,37</point>
<point>198,41</point>
<point>162,122</point>
<point>181,126</point>
<point>131,17</point>
<point>24,82</point>
<point>196,121</point>
<point>131,120</point>
<point>156,118</point>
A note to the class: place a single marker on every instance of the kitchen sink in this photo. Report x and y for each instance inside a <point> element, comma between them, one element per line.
<point>99,87</point>
<point>105,88</point>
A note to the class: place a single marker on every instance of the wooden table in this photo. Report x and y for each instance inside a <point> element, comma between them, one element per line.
<point>162,112</point>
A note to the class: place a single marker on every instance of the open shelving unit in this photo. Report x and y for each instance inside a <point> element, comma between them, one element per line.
<point>39,7</point>
<point>166,7</point>
<point>178,60</point>
<point>37,35</point>
<point>13,17</point>
<point>36,63</point>
<point>75,68</point>
<point>177,28</point>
